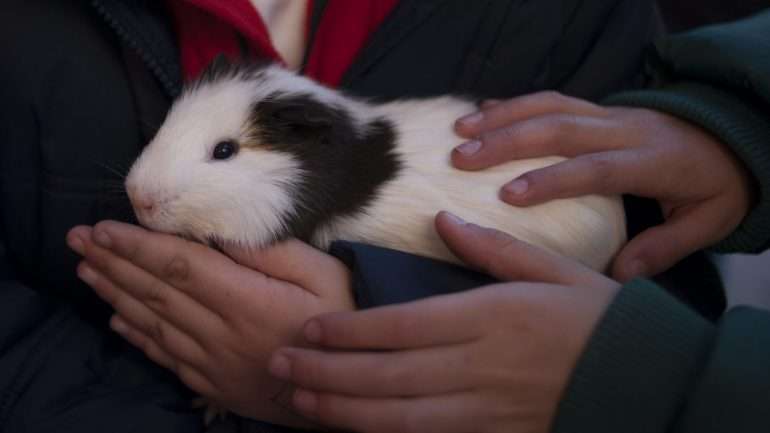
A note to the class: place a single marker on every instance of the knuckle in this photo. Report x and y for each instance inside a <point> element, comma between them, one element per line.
<point>156,296</point>
<point>564,125</point>
<point>504,136</point>
<point>552,97</point>
<point>177,269</point>
<point>602,169</point>
<point>158,332</point>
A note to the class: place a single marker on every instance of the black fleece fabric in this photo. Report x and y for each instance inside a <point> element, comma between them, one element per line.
<point>84,84</point>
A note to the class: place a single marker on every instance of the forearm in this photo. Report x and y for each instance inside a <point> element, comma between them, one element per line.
<point>650,357</point>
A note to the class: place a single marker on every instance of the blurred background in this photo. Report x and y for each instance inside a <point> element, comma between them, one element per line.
<point>747,277</point>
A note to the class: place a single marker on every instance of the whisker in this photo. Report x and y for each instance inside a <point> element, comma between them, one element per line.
<point>121,175</point>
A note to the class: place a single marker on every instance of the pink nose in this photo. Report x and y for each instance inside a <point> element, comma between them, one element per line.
<point>141,202</point>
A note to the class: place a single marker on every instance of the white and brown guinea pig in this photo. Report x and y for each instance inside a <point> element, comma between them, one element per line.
<point>253,154</point>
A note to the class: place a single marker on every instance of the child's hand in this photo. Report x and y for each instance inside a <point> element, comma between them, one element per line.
<point>703,190</point>
<point>211,320</point>
<point>493,359</point>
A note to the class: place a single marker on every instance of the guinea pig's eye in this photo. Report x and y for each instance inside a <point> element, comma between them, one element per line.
<point>225,149</point>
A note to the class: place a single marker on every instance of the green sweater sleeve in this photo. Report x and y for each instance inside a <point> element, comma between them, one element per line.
<point>719,78</point>
<point>653,365</point>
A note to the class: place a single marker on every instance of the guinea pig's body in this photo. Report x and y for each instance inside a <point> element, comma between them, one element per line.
<point>253,155</point>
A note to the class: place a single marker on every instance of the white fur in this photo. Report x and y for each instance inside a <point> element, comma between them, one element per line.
<point>245,200</point>
<point>590,229</point>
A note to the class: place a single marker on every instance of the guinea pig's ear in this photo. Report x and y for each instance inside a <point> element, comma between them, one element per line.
<point>221,66</point>
<point>299,114</point>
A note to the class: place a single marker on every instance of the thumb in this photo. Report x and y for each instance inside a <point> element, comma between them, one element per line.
<point>510,259</point>
<point>294,262</point>
<point>661,247</point>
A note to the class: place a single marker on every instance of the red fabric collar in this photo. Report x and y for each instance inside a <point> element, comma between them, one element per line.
<point>206,28</point>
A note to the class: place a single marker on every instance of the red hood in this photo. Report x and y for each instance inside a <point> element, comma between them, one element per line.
<point>206,28</point>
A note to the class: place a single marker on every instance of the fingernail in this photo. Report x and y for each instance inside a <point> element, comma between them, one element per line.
<point>469,148</point>
<point>76,243</point>
<point>87,273</point>
<point>471,119</point>
<point>636,268</point>
<point>102,239</point>
<point>118,325</point>
<point>313,332</point>
<point>488,103</point>
<point>454,219</point>
<point>306,402</point>
<point>517,187</point>
<point>280,367</point>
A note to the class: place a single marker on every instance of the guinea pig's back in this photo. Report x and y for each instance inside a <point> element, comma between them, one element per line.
<point>590,229</point>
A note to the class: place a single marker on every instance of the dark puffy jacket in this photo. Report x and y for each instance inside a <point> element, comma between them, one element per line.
<point>85,84</point>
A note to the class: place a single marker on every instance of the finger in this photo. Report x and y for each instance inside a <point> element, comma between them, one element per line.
<point>548,135</point>
<point>76,237</point>
<point>435,321</point>
<point>174,341</point>
<point>504,257</point>
<point>495,116</point>
<point>191,268</point>
<point>435,370</point>
<point>189,374</point>
<point>605,173</point>
<point>661,247</point>
<point>489,103</point>
<point>143,343</point>
<point>448,413</point>
<point>295,262</point>
<point>132,290</point>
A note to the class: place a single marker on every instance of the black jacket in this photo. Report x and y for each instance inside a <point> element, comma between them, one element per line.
<point>85,84</point>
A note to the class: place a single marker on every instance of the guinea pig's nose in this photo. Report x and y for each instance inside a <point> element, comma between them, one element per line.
<point>142,202</point>
<point>145,205</point>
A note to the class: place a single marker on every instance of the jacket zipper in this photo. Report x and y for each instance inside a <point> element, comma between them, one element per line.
<point>168,83</point>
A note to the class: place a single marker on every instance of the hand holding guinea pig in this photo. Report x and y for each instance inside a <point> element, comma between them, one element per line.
<point>493,359</point>
<point>212,320</point>
<point>703,189</point>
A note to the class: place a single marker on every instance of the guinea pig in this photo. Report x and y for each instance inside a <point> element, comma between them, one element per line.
<point>251,154</point>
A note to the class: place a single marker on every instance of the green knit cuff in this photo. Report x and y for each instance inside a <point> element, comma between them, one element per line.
<point>743,127</point>
<point>733,388</point>
<point>638,366</point>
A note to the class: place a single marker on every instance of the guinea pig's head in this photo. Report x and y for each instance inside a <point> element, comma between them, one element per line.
<point>247,155</point>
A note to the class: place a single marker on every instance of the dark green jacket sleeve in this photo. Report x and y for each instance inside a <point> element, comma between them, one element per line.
<point>719,78</point>
<point>655,366</point>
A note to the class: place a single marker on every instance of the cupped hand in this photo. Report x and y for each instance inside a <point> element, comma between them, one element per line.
<point>703,190</point>
<point>211,319</point>
<point>493,359</point>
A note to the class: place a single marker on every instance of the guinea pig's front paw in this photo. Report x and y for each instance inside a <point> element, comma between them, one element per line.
<point>212,411</point>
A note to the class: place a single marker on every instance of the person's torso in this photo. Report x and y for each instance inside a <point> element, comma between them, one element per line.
<point>104,73</point>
